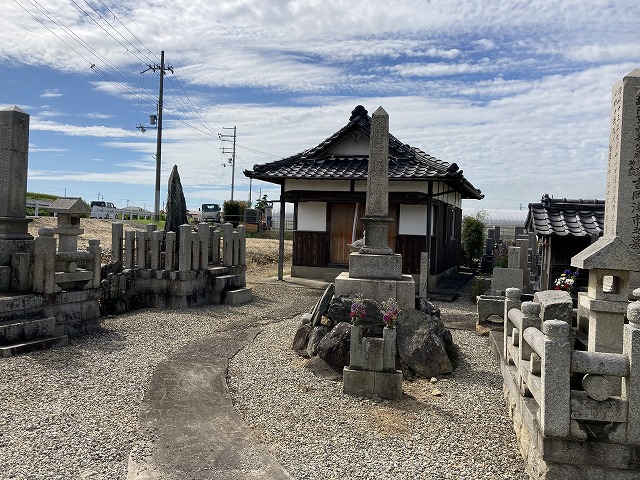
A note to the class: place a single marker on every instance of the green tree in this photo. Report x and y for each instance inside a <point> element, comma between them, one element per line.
<point>472,237</point>
<point>262,203</point>
<point>233,211</point>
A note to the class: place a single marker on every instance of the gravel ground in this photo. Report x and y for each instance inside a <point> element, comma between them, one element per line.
<point>71,412</point>
<point>317,432</point>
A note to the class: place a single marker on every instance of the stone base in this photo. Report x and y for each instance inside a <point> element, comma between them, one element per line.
<point>15,228</point>
<point>75,312</point>
<point>559,457</point>
<point>367,383</point>
<point>9,247</point>
<point>140,288</point>
<point>237,297</point>
<point>404,291</point>
<point>388,267</point>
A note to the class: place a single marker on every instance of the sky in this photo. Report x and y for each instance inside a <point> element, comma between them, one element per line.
<point>516,92</point>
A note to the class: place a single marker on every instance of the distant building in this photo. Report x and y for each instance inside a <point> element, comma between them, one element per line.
<point>327,185</point>
<point>564,228</point>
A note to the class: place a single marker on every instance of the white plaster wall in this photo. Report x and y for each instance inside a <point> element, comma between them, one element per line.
<point>413,220</point>
<point>312,216</point>
<point>319,185</point>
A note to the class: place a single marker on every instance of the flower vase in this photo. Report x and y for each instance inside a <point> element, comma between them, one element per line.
<point>389,336</point>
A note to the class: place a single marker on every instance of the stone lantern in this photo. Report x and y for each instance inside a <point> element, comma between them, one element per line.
<point>601,310</point>
<point>69,212</point>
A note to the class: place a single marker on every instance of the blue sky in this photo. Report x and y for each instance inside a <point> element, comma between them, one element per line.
<point>517,93</point>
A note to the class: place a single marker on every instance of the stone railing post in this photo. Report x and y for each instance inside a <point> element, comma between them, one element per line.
<point>512,301</point>
<point>169,251</point>
<point>236,248</point>
<point>631,384</point>
<point>129,249</point>
<point>555,408</point>
<point>45,261</point>
<point>96,263</point>
<point>195,251</point>
<point>205,235</point>
<point>117,230</point>
<point>227,245</point>
<point>242,254</point>
<point>142,249</point>
<point>156,249</point>
<point>184,254</point>
<point>215,246</point>
<point>530,318</point>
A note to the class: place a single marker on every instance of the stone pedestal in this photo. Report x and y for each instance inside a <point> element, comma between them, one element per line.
<point>404,290</point>
<point>371,371</point>
<point>362,265</point>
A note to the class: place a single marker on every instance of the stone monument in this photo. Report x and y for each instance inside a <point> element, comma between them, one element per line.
<point>14,151</point>
<point>375,272</point>
<point>622,207</point>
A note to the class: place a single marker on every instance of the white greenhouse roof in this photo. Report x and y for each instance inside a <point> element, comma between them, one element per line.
<point>499,217</point>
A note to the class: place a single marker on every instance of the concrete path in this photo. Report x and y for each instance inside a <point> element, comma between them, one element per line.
<point>191,428</point>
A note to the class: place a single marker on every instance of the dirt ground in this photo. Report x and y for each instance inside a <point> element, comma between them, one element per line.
<point>262,253</point>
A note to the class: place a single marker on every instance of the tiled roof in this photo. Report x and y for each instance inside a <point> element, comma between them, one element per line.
<point>405,162</point>
<point>562,217</point>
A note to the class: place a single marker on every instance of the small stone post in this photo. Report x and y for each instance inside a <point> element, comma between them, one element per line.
<point>45,261</point>
<point>96,264</point>
<point>195,251</point>
<point>204,231</point>
<point>142,249</point>
<point>129,249</point>
<point>215,247</point>
<point>512,301</point>
<point>184,255</point>
<point>117,235</point>
<point>530,318</point>
<point>242,249</point>
<point>631,384</point>
<point>156,248</point>
<point>355,348</point>
<point>555,408</point>
<point>169,254</point>
<point>227,245</point>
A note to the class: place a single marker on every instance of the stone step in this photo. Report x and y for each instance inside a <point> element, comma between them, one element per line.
<point>43,343</point>
<point>17,330</point>
<point>237,296</point>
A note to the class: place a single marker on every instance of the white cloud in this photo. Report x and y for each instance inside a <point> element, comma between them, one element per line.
<point>51,93</point>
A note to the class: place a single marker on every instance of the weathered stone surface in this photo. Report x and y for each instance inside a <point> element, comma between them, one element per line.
<point>428,307</point>
<point>554,305</point>
<point>176,204</point>
<point>340,310</point>
<point>334,346</point>
<point>314,339</point>
<point>301,338</point>
<point>323,304</point>
<point>425,346</point>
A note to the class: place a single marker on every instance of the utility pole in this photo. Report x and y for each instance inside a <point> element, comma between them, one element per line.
<point>233,155</point>
<point>162,69</point>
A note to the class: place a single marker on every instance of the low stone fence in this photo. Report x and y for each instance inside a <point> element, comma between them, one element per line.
<point>155,250</point>
<point>545,365</point>
<point>163,270</point>
<point>54,271</point>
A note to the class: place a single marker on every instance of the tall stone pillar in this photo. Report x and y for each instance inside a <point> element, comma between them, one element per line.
<point>14,150</point>
<point>376,218</point>
<point>622,207</point>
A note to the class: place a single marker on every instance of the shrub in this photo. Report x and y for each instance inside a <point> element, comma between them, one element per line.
<point>472,237</point>
<point>233,211</point>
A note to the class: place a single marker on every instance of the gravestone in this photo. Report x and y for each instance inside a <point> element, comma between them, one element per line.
<point>14,151</point>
